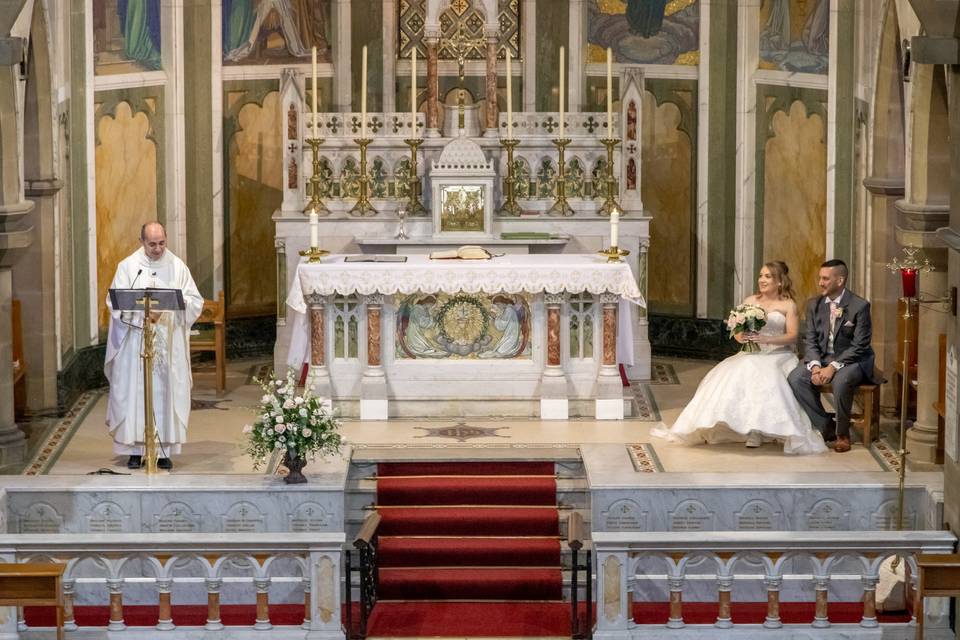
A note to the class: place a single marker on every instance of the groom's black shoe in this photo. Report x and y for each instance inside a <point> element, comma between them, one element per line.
<point>134,462</point>
<point>165,463</point>
<point>830,431</point>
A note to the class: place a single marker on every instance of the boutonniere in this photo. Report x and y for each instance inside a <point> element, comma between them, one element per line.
<point>836,313</point>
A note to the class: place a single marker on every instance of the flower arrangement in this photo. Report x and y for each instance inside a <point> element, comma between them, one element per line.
<point>296,425</point>
<point>747,318</point>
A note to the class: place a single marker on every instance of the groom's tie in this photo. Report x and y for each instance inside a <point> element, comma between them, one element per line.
<point>833,322</point>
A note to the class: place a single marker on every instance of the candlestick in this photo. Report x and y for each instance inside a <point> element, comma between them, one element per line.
<point>414,206</point>
<point>562,83</point>
<point>510,206</point>
<point>413,93</point>
<point>509,100</point>
<point>614,227</point>
<point>560,206</point>
<point>315,206</point>
<point>610,203</point>
<point>363,94</point>
<point>363,206</point>
<point>314,89</point>
<point>614,254</point>
<point>609,92</point>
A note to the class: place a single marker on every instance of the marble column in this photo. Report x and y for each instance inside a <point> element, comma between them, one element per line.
<point>922,437</point>
<point>318,377</point>
<point>115,588</point>
<point>165,619</point>
<point>773,584</point>
<point>609,401</point>
<point>342,87</point>
<point>213,604</point>
<point>373,386</point>
<point>262,586</point>
<point>433,85</point>
<point>493,112</point>
<point>554,394</point>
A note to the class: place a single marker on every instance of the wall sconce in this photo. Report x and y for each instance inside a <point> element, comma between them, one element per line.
<point>910,269</point>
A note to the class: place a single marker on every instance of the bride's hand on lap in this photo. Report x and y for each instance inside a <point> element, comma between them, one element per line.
<point>740,337</point>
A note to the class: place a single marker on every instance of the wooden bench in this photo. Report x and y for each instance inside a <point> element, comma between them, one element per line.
<point>33,584</point>
<point>868,396</point>
<point>19,365</point>
<point>214,339</point>
<point>939,578</point>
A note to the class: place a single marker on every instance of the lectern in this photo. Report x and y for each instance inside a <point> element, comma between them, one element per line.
<point>145,301</point>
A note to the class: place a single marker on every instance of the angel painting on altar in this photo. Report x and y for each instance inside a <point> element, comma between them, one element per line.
<point>275,31</point>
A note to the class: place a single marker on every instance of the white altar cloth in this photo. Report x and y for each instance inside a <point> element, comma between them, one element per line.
<point>514,273</point>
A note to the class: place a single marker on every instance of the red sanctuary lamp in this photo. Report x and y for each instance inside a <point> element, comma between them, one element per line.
<point>908,278</point>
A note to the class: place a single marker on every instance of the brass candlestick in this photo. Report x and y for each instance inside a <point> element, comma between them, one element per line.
<point>316,203</point>
<point>363,208</point>
<point>560,206</point>
<point>614,253</point>
<point>415,207</point>
<point>611,201</point>
<point>313,254</point>
<point>510,206</point>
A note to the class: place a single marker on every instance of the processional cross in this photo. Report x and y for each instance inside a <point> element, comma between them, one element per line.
<point>460,44</point>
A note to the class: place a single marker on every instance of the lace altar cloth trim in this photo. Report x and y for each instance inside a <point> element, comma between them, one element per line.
<point>557,273</point>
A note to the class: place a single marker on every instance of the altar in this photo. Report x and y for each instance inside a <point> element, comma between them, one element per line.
<point>533,335</point>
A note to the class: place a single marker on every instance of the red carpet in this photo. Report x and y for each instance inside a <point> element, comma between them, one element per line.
<point>426,490</point>
<point>756,612</point>
<point>474,468</point>
<point>471,552</point>
<point>469,521</point>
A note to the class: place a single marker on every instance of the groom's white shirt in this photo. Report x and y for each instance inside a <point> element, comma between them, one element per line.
<point>826,300</point>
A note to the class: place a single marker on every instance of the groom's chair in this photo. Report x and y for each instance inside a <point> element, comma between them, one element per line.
<point>868,398</point>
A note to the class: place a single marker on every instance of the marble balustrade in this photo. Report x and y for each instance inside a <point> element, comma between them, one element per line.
<point>631,563</point>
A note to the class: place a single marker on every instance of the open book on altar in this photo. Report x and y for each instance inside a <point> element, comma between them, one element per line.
<point>466,252</point>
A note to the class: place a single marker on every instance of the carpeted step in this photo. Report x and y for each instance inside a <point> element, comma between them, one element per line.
<point>471,583</point>
<point>426,619</point>
<point>469,521</point>
<point>456,490</point>
<point>470,552</point>
<point>467,468</point>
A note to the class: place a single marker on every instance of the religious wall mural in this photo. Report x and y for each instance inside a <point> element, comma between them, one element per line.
<point>795,35</point>
<point>461,209</point>
<point>644,31</point>
<point>466,16</point>
<point>126,36</point>
<point>463,326</point>
<point>275,31</point>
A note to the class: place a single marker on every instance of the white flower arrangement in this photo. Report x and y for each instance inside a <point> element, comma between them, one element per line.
<point>297,425</point>
<point>746,318</point>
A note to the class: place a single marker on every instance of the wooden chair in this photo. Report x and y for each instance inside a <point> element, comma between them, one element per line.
<point>213,339</point>
<point>19,365</point>
<point>868,397</point>
<point>33,585</point>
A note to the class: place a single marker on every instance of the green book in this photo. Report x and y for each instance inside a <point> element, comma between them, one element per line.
<point>526,235</point>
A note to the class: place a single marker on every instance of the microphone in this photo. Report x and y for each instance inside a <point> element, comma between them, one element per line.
<point>139,271</point>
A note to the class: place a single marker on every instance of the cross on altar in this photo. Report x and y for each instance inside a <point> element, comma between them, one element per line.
<point>460,45</point>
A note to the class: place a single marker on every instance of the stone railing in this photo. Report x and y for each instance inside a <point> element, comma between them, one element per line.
<point>190,564</point>
<point>634,564</point>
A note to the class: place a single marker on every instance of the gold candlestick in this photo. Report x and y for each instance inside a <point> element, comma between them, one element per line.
<point>415,207</point>
<point>510,206</point>
<point>611,201</point>
<point>316,203</point>
<point>363,208</point>
<point>614,253</point>
<point>313,254</point>
<point>561,207</point>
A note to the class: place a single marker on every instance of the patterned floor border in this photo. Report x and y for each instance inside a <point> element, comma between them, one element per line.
<point>644,403</point>
<point>644,458</point>
<point>663,373</point>
<point>886,455</point>
<point>466,445</point>
<point>59,435</point>
<point>260,371</point>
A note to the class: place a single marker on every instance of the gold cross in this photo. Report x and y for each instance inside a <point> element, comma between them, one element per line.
<point>460,45</point>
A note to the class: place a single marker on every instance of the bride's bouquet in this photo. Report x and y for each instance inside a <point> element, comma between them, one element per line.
<point>747,318</point>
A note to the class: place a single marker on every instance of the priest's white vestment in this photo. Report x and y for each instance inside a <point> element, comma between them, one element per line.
<point>172,378</point>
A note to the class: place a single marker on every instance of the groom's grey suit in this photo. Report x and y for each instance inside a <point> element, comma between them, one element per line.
<point>850,348</point>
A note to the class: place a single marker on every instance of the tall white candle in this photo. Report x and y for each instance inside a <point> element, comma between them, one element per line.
<point>413,93</point>
<point>363,94</point>
<point>562,83</point>
<point>314,230</point>
<point>614,227</point>
<point>609,93</point>
<point>314,91</point>
<point>509,99</point>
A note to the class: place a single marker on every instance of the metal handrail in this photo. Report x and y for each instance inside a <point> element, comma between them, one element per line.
<point>576,535</point>
<point>366,545</point>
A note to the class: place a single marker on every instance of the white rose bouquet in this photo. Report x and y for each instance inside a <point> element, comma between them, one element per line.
<point>295,425</point>
<point>747,318</point>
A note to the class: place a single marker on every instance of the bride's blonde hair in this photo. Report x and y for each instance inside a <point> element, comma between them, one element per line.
<point>781,273</point>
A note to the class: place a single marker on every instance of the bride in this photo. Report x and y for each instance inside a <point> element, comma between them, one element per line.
<point>746,398</point>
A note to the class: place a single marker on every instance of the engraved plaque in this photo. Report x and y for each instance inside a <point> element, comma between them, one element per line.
<point>692,515</point>
<point>107,517</point>
<point>177,517</point>
<point>308,516</point>
<point>243,517</point>
<point>827,515</point>
<point>757,515</point>
<point>41,518</point>
<point>625,515</point>
<point>885,518</point>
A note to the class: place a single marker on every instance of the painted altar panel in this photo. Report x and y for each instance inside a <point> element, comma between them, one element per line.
<point>795,35</point>
<point>126,36</point>
<point>463,327</point>
<point>255,192</point>
<point>126,190</point>
<point>668,196</point>
<point>270,32</point>
<point>462,209</point>
<point>795,195</point>
<point>644,31</point>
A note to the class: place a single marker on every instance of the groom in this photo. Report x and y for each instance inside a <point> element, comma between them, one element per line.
<point>837,351</point>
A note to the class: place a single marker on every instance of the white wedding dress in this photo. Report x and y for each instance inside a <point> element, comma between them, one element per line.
<point>749,392</point>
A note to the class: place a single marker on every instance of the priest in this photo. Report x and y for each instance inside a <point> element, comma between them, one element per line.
<point>152,265</point>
